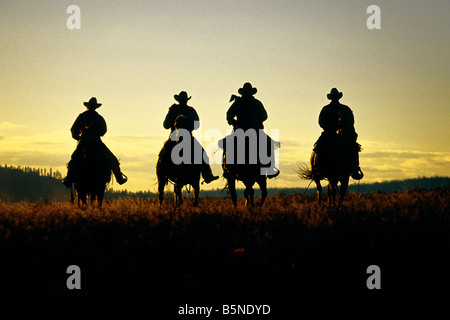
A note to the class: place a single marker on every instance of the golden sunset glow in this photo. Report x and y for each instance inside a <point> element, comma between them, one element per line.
<point>134,56</point>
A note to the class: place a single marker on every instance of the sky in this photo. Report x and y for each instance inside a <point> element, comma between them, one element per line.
<point>134,56</point>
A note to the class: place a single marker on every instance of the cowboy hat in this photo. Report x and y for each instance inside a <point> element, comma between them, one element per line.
<point>334,94</point>
<point>182,97</point>
<point>92,103</point>
<point>247,89</point>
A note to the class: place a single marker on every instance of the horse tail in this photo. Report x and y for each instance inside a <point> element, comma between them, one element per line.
<point>304,172</point>
<point>226,188</point>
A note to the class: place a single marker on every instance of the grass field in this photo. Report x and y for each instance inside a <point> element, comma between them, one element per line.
<point>292,248</point>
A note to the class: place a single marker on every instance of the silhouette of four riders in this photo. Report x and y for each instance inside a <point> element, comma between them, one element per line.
<point>245,113</point>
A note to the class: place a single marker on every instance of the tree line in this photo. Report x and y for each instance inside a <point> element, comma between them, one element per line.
<point>38,171</point>
<point>19,183</point>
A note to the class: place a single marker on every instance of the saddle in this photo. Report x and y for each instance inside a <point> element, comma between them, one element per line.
<point>168,168</point>
<point>336,152</point>
<point>245,159</point>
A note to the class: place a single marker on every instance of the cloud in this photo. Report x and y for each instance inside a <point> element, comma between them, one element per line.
<point>53,142</point>
<point>132,138</point>
<point>401,164</point>
<point>407,154</point>
<point>138,156</point>
<point>9,125</point>
<point>41,159</point>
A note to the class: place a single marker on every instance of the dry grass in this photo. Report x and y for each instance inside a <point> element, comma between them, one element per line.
<point>290,248</point>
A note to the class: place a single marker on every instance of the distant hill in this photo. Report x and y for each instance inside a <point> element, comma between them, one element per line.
<point>36,184</point>
<point>31,184</point>
<point>404,185</point>
<point>387,186</point>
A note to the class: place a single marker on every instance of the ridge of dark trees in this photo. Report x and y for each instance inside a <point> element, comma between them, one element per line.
<point>39,184</point>
<point>31,184</point>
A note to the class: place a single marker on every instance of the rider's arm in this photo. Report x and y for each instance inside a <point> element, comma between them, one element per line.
<point>101,126</point>
<point>196,119</point>
<point>262,113</point>
<point>349,118</point>
<point>169,120</point>
<point>76,129</point>
<point>231,113</point>
<point>323,119</point>
<point>348,121</point>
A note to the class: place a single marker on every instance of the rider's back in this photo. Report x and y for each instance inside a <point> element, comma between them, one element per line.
<point>93,122</point>
<point>188,112</point>
<point>249,112</point>
<point>336,116</point>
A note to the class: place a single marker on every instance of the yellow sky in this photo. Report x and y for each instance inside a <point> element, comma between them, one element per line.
<point>134,56</point>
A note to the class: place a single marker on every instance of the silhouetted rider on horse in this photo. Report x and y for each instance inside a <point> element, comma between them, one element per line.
<point>336,118</point>
<point>87,130</point>
<point>247,112</point>
<point>187,118</point>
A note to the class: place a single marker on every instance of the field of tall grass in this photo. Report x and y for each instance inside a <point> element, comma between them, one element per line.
<point>291,248</point>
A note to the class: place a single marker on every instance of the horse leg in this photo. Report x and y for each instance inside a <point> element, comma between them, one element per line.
<point>177,193</point>
<point>83,197</point>
<point>319,190</point>
<point>196,187</point>
<point>161,185</point>
<point>77,194</point>
<point>232,191</point>
<point>329,193</point>
<point>100,196</point>
<point>263,186</point>
<point>331,190</point>
<point>180,195</point>
<point>249,194</point>
<point>344,186</point>
<point>252,196</point>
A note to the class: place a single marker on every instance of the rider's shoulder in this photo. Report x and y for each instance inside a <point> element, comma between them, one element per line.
<point>93,115</point>
<point>256,101</point>
<point>327,107</point>
<point>345,107</point>
<point>174,106</point>
<point>85,114</point>
<point>189,108</point>
<point>90,112</point>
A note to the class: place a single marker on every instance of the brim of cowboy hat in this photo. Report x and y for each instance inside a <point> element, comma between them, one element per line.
<point>332,96</point>
<point>243,91</point>
<point>177,97</point>
<point>87,104</point>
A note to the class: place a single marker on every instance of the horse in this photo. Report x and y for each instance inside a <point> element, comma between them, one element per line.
<point>92,175</point>
<point>249,172</point>
<point>333,166</point>
<point>179,175</point>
